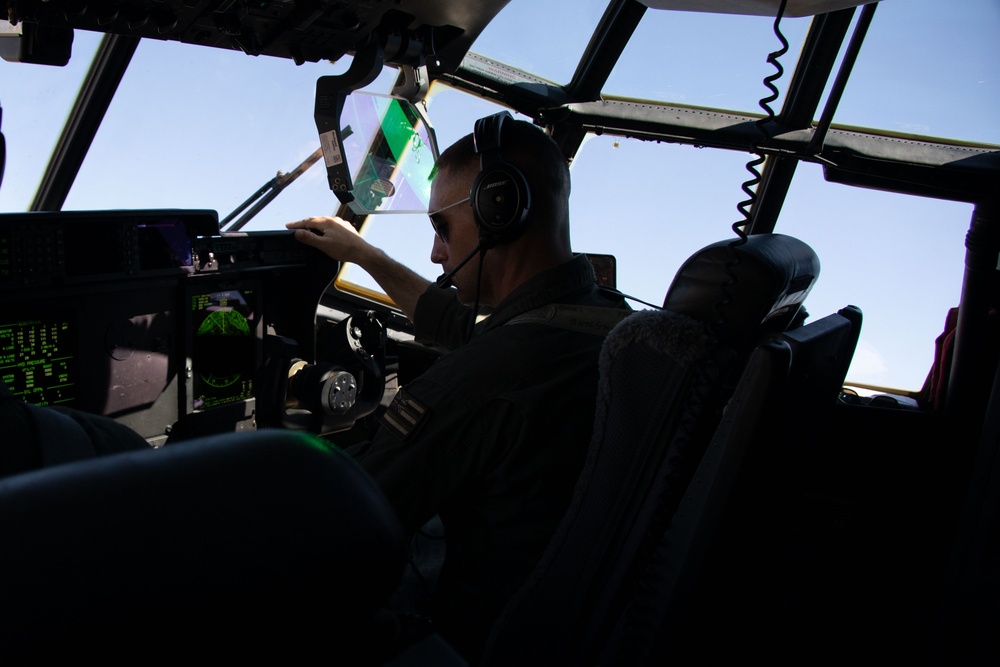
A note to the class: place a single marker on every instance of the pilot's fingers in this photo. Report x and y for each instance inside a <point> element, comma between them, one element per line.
<point>317,223</point>
<point>334,236</point>
<point>308,235</point>
<point>323,224</point>
<point>298,224</point>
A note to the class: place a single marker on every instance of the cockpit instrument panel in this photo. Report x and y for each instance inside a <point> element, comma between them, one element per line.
<point>152,317</point>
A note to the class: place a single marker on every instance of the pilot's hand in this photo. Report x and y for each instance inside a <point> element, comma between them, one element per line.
<point>338,239</point>
<point>334,236</point>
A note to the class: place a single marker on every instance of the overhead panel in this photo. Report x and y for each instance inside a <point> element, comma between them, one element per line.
<point>755,7</point>
<point>302,30</point>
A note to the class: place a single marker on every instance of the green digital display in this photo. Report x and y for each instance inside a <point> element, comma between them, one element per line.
<point>37,360</point>
<point>224,357</point>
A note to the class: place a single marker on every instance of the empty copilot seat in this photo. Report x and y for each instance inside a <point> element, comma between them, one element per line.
<point>664,379</point>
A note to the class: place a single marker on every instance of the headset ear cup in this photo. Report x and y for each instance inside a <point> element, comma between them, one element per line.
<point>501,198</point>
<point>500,202</point>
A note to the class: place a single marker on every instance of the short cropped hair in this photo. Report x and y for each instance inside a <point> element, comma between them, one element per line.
<point>536,155</point>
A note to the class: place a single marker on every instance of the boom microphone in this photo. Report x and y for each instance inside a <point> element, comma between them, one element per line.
<point>445,280</point>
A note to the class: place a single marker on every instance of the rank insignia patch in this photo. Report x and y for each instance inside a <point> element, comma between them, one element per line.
<point>403,415</point>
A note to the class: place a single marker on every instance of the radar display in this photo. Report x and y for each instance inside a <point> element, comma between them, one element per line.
<point>224,348</point>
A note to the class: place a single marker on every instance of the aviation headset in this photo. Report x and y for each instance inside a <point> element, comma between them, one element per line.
<point>500,196</point>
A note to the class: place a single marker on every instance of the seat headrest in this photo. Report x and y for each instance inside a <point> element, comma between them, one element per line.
<point>745,291</point>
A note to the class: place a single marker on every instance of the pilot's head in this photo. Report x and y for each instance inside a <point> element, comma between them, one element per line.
<point>539,236</point>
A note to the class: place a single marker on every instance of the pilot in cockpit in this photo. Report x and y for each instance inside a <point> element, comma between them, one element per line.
<point>493,436</point>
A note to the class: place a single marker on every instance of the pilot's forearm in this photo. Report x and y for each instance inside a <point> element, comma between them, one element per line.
<point>338,239</point>
<point>403,285</point>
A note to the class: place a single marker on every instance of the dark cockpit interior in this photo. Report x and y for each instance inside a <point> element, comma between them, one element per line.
<point>233,356</point>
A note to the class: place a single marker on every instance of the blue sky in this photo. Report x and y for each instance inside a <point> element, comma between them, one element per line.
<point>203,128</point>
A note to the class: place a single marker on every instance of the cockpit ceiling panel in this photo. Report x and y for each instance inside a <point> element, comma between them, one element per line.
<point>303,30</point>
<point>755,7</point>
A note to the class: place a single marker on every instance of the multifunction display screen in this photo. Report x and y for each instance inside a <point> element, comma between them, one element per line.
<point>37,360</point>
<point>224,355</point>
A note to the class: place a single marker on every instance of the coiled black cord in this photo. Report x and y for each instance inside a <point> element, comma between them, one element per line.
<point>749,186</point>
<point>641,619</point>
<point>763,126</point>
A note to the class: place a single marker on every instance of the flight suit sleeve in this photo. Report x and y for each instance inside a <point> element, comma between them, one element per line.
<point>439,319</point>
<point>426,454</point>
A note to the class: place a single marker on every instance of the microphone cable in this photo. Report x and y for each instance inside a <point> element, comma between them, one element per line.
<point>444,280</point>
